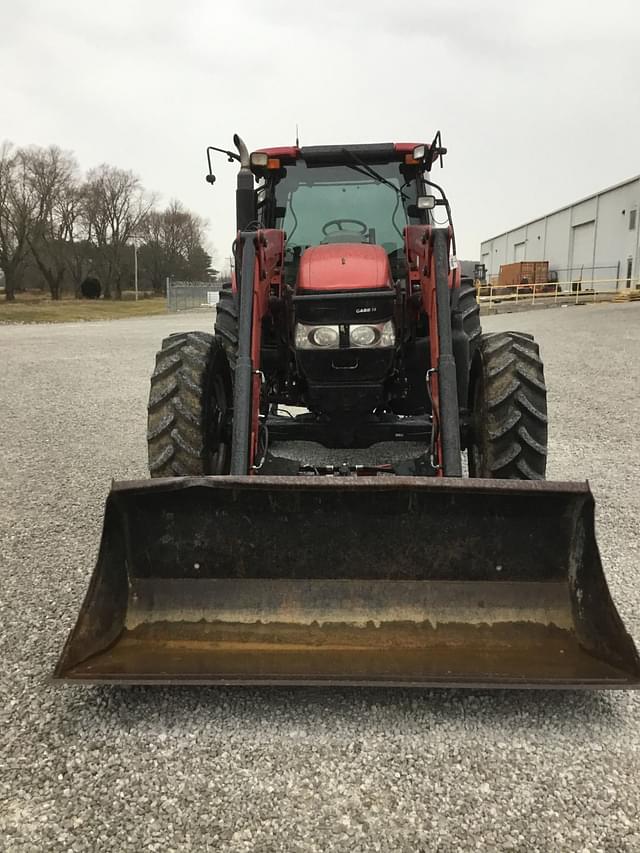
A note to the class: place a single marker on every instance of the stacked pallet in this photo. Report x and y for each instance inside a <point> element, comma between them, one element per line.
<point>627,295</point>
<point>523,272</point>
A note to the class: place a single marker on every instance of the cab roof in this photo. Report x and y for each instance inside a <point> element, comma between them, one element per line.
<point>376,152</point>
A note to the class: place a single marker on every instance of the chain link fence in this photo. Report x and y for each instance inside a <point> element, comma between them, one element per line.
<point>580,277</point>
<point>192,295</point>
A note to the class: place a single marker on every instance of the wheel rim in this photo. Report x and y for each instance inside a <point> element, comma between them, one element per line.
<point>217,450</point>
<point>477,451</point>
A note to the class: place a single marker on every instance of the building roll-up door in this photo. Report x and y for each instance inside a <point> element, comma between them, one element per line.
<point>582,244</point>
<point>519,252</point>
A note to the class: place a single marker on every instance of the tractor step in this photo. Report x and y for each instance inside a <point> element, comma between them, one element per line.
<point>276,465</point>
<point>362,434</point>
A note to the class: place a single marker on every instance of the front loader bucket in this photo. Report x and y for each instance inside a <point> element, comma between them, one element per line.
<point>347,580</point>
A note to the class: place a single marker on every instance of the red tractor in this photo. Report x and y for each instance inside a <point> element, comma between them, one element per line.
<point>357,313</point>
<point>235,565</point>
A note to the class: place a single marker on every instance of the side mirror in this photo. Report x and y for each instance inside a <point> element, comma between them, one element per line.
<point>426,202</point>
<point>210,177</point>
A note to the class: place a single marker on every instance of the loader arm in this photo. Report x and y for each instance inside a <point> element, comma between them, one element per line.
<point>428,261</point>
<point>261,254</point>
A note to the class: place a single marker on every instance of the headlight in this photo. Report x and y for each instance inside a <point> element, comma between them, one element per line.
<point>380,335</point>
<point>325,336</point>
<point>322,337</point>
<point>362,336</point>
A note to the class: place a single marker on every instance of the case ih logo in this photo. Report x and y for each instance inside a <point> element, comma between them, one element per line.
<point>365,310</point>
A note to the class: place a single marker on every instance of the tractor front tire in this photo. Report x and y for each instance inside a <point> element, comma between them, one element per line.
<point>189,402</point>
<point>470,311</point>
<point>226,327</point>
<point>509,409</point>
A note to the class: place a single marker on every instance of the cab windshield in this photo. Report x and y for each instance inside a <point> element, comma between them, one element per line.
<point>338,204</point>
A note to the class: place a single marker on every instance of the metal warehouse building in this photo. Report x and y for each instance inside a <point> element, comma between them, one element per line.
<point>593,240</point>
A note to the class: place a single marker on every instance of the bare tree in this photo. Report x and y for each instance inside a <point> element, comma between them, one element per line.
<point>55,224</point>
<point>81,251</point>
<point>52,175</point>
<point>173,246</point>
<point>18,205</point>
<point>115,204</point>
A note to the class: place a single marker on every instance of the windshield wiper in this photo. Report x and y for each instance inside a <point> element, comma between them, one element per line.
<point>366,169</point>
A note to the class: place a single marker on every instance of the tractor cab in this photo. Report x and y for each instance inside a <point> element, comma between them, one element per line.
<point>324,195</point>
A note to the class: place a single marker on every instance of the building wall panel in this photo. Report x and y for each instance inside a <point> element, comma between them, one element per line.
<point>557,242</point>
<point>583,212</point>
<point>536,240</point>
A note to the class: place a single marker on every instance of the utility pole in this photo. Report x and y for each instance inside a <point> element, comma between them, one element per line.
<point>135,239</point>
<point>135,267</point>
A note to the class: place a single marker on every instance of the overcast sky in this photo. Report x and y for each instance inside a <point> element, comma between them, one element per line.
<point>538,102</point>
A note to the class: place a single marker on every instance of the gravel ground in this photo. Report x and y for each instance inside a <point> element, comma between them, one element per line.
<point>291,770</point>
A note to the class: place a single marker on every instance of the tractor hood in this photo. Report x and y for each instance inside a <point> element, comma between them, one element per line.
<point>344,266</point>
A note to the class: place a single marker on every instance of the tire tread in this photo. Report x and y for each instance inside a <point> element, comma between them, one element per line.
<point>176,417</point>
<point>511,420</point>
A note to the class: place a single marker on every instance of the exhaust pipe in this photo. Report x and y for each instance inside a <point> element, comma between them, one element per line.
<point>245,195</point>
<point>243,151</point>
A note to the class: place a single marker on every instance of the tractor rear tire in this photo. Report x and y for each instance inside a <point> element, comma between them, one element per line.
<point>226,327</point>
<point>189,401</point>
<point>509,409</point>
<point>470,310</point>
